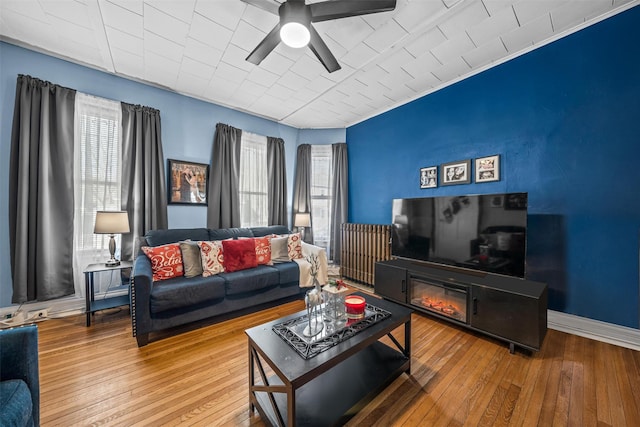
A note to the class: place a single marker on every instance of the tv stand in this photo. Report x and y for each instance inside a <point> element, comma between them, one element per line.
<point>507,308</point>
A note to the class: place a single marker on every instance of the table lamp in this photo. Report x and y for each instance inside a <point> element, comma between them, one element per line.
<point>111,222</point>
<point>302,220</point>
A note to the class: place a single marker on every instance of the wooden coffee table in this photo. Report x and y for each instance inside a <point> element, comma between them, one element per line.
<point>332,386</point>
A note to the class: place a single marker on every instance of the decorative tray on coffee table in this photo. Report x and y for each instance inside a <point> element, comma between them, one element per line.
<point>333,332</point>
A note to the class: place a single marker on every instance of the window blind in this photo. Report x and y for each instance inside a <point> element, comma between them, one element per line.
<point>321,197</point>
<point>253,180</point>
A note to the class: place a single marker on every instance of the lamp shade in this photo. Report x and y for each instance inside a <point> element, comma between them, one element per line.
<point>302,219</point>
<point>111,222</point>
<point>401,220</point>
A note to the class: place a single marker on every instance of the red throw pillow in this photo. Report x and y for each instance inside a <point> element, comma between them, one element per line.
<point>166,261</point>
<point>239,254</point>
<point>263,250</point>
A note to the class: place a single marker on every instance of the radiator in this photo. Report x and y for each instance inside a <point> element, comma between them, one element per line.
<point>362,246</point>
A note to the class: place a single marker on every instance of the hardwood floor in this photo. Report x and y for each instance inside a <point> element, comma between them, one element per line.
<point>98,376</point>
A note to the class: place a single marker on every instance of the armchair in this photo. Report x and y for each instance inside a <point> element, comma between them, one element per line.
<point>19,377</point>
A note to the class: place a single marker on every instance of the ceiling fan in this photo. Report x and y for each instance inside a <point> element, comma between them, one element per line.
<point>295,29</point>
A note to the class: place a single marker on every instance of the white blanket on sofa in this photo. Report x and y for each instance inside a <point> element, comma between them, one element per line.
<point>305,267</point>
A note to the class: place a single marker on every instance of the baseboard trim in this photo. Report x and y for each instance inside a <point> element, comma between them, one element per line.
<point>61,307</point>
<point>594,329</point>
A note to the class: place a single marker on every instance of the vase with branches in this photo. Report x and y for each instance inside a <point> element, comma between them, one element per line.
<point>313,299</point>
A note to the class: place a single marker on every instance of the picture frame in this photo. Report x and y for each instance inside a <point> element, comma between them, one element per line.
<point>497,201</point>
<point>487,169</point>
<point>454,173</point>
<point>429,177</point>
<point>188,182</point>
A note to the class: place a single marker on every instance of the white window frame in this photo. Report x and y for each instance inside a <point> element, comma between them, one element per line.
<point>97,183</point>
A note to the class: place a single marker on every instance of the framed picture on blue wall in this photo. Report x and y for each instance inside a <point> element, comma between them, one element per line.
<point>455,172</point>
<point>429,177</point>
<point>187,182</point>
<point>488,169</point>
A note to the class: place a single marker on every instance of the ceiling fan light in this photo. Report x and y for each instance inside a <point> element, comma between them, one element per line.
<point>295,20</point>
<point>295,34</point>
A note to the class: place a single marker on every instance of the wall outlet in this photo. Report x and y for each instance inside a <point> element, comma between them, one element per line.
<point>38,314</point>
<point>16,319</point>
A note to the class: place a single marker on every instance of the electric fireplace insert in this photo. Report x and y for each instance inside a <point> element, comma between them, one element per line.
<point>444,299</point>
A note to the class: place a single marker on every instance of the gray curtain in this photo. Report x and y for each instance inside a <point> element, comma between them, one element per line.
<point>223,209</point>
<point>302,187</point>
<point>144,191</point>
<point>340,210</point>
<point>277,175</point>
<point>41,191</point>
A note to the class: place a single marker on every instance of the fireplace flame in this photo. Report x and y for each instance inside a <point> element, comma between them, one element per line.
<point>443,306</point>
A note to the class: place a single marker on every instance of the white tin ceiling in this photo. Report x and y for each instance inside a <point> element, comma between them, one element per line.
<point>198,48</point>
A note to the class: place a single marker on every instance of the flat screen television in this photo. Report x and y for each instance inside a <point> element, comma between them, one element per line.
<point>484,232</point>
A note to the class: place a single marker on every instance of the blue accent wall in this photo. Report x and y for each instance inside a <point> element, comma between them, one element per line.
<point>188,127</point>
<point>565,120</point>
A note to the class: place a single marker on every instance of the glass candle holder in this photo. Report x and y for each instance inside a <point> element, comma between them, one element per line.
<point>334,308</point>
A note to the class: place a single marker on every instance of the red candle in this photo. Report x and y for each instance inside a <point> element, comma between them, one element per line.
<point>355,305</point>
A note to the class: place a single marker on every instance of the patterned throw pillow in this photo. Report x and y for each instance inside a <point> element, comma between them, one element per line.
<point>294,246</point>
<point>212,258</point>
<point>239,254</point>
<point>166,261</point>
<point>263,250</point>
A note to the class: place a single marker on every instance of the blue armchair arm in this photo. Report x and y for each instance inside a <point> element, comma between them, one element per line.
<point>19,361</point>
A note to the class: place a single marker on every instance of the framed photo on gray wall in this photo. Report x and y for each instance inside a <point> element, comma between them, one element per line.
<point>488,169</point>
<point>429,177</point>
<point>455,172</point>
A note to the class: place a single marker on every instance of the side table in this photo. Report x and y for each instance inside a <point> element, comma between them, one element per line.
<point>93,305</point>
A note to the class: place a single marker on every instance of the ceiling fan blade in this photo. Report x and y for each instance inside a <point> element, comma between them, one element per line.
<point>337,9</point>
<point>322,52</point>
<point>266,46</point>
<point>268,5</point>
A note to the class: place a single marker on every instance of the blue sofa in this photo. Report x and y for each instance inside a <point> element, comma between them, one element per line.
<point>164,304</point>
<point>19,377</point>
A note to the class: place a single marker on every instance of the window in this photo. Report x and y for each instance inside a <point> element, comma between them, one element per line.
<point>253,180</point>
<point>321,194</point>
<point>97,172</point>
